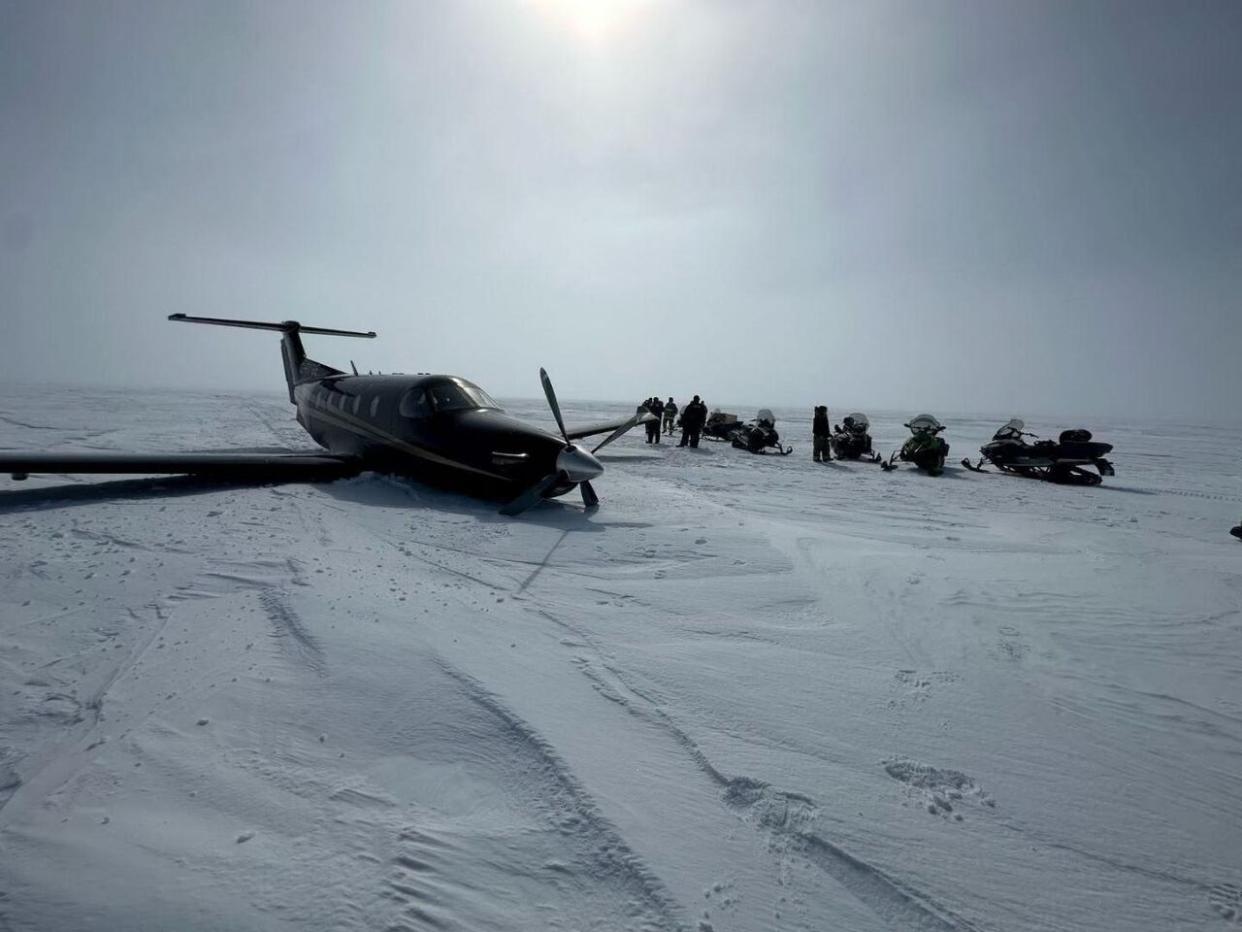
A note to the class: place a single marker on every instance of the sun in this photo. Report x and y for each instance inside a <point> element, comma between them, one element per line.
<point>593,22</point>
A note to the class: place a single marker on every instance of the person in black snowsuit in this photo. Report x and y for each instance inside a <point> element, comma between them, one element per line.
<point>820,434</point>
<point>692,420</point>
<point>653,427</point>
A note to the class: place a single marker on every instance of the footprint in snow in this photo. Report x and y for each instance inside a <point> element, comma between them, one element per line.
<point>940,791</point>
<point>1226,899</point>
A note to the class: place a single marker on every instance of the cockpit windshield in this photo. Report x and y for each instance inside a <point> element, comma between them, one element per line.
<point>459,395</point>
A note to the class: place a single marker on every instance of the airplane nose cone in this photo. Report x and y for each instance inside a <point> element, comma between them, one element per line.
<point>578,465</point>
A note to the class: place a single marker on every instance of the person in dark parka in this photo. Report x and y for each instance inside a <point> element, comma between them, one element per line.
<point>656,407</point>
<point>692,420</point>
<point>821,432</point>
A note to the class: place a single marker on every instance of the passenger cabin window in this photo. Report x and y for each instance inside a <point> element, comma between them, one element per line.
<point>375,406</point>
<point>414,404</point>
<point>357,399</point>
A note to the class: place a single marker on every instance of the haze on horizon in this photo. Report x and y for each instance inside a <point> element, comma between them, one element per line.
<point>996,206</point>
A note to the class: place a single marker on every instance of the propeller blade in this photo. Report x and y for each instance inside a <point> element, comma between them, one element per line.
<point>628,425</point>
<point>551,396</point>
<point>589,498</point>
<point>532,496</point>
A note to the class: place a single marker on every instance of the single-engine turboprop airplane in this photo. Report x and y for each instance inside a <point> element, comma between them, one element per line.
<point>437,427</point>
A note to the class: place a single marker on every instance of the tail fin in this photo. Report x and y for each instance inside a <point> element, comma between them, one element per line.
<point>298,368</point>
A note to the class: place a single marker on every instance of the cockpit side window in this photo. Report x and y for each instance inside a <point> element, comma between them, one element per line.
<point>414,403</point>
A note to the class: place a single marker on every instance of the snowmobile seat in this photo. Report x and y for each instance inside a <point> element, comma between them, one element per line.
<point>1075,436</point>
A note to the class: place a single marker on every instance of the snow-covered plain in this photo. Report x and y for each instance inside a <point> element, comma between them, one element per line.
<point>748,693</point>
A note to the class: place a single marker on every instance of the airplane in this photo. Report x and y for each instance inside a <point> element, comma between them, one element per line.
<point>439,428</point>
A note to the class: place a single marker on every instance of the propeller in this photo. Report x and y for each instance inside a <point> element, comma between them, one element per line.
<point>550,394</point>
<point>632,422</point>
<point>589,498</point>
<point>572,464</point>
<point>531,496</point>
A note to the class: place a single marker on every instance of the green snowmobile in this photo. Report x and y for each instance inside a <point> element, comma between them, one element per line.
<point>926,449</point>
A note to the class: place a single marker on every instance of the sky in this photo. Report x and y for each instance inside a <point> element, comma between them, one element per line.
<point>982,205</point>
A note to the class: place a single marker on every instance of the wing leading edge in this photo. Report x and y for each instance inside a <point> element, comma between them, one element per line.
<point>246,466</point>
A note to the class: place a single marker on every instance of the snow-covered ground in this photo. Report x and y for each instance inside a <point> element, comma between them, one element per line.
<point>748,693</point>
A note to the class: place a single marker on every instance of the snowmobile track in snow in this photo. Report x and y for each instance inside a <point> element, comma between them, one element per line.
<point>605,843</point>
<point>287,623</point>
<point>788,818</point>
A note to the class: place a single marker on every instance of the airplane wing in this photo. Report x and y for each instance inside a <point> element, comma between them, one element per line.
<point>244,466</point>
<point>590,430</point>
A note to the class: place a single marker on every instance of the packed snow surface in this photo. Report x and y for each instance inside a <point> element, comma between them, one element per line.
<point>748,693</point>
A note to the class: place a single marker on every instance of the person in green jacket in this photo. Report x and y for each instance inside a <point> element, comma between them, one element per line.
<point>670,415</point>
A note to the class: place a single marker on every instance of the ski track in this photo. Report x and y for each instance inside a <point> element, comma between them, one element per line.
<point>788,819</point>
<point>70,752</point>
<point>288,628</point>
<point>597,839</point>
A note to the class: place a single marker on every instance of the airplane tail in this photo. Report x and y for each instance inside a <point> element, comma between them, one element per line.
<point>298,368</point>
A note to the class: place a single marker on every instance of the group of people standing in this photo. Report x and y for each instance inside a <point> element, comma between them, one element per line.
<point>692,420</point>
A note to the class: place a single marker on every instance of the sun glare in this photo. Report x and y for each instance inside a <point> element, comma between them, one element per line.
<point>593,22</point>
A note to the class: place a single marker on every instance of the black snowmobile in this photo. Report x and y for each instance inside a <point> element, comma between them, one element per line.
<point>721,425</point>
<point>759,435</point>
<point>1058,460</point>
<point>853,442</point>
<point>1236,531</point>
<point>926,449</point>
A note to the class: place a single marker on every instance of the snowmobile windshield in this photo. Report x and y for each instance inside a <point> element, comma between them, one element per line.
<point>766,417</point>
<point>858,423</point>
<point>1011,430</point>
<point>924,424</point>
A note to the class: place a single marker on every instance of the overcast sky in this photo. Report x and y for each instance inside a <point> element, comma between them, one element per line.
<point>1014,206</point>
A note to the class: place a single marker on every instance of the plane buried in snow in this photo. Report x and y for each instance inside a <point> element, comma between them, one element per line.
<point>436,427</point>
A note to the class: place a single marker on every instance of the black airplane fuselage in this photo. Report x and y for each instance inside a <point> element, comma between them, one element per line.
<point>436,428</point>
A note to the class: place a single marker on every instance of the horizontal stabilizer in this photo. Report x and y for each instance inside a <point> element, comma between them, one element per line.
<point>285,326</point>
<point>236,466</point>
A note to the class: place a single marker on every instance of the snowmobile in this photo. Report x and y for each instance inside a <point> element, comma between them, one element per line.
<point>853,442</point>
<point>721,425</point>
<point>754,436</point>
<point>1236,531</point>
<point>1058,460</point>
<point>926,449</point>
<point>760,434</point>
